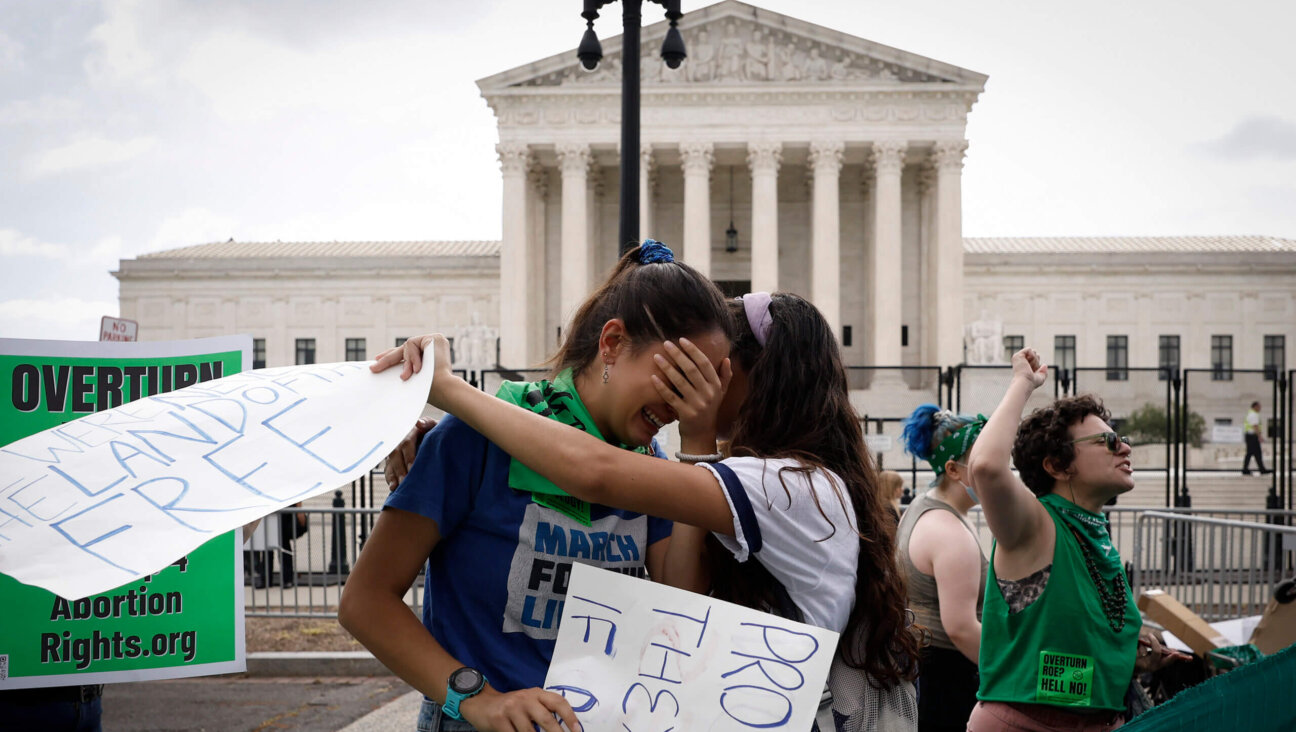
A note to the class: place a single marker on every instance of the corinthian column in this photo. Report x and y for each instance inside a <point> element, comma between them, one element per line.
<point>696,159</point>
<point>645,191</point>
<point>948,250</point>
<point>825,254</point>
<point>574,158</point>
<point>515,256</point>
<point>764,158</point>
<point>888,161</point>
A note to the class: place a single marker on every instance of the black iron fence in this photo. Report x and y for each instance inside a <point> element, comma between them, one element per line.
<point>1185,423</point>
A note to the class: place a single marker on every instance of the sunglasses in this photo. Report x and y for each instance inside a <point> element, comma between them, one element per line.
<point>1111,439</point>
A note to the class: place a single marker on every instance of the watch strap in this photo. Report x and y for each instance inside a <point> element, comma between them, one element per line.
<point>455,698</point>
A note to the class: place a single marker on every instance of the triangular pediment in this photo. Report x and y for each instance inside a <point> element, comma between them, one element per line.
<point>735,44</point>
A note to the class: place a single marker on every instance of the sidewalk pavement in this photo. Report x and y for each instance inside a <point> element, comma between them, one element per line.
<point>398,714</point>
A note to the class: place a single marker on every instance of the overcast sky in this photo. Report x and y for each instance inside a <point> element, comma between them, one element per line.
<point>128,127</point>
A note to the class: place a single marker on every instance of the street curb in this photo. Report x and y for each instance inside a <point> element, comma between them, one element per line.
<point>294,663</point>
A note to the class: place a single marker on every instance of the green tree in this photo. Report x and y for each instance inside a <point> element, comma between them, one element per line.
<point>1147,424</point>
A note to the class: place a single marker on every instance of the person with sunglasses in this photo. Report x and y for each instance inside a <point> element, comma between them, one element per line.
<point>1060,633</point>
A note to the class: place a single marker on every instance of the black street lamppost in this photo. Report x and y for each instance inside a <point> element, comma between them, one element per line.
<point>590,53</point>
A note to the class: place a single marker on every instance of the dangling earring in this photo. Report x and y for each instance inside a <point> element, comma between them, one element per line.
<point>605,373</point>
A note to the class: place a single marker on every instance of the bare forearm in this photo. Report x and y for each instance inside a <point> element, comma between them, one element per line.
<point>566,456</point>
<point>967,639</point>
<point>686,559</point>
<point>992,452</point>
<point>387,627</point>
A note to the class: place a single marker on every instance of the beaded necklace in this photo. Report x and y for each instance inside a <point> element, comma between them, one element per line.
<point>1112,593</point>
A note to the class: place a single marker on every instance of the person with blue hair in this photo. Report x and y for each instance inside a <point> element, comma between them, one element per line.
<point>946,568</point>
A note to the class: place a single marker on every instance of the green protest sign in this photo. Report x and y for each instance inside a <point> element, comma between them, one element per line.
<point>186,620</point>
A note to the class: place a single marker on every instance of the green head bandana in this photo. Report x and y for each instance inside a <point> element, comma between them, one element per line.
<point>557,400</point>
<point>957,443</point>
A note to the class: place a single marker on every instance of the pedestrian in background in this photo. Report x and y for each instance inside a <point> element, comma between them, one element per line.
<point>1251,432</point>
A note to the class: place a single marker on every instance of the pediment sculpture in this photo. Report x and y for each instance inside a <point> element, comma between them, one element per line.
<point>742,52</point>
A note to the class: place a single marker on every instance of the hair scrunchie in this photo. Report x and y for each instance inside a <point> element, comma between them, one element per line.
<point>756,305</point>
<point>652,251</point>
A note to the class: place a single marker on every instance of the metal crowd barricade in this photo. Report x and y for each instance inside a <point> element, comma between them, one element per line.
<point>1123,523</point>
<point>1219,568</point>
<point>321,557</point>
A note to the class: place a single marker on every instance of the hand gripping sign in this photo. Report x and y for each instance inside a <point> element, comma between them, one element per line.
<point>640,656</point>
<point>119,494</point>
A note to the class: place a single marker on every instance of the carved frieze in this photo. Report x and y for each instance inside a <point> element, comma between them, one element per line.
<point>735,51</point>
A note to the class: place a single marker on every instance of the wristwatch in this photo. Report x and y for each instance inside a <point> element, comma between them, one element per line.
<point>463,684</point>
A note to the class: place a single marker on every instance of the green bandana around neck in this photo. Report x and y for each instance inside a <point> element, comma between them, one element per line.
<point>556,399</point>
<point>957,443</point>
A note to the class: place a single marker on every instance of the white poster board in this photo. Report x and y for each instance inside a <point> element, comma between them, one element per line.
<point>637,655</point>
<point>119,494</point>
<point>1226,434</point>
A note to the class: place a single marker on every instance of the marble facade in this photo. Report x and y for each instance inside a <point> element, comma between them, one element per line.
<point>845,157</point>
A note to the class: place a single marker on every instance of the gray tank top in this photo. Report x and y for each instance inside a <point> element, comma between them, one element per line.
<point>923,600</point>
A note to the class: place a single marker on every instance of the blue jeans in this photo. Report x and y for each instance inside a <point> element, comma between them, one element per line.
<point>59,716</point>
<point>432,719</point>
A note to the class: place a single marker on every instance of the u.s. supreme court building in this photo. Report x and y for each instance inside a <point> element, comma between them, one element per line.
<point>838,161</point>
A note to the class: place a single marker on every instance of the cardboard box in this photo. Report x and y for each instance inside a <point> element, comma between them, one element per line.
<point>1277,628</point>
<point>1171,614</point>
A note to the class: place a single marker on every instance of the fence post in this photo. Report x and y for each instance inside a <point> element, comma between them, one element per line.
<point>338,555</point>
<point>1182,499</point>
<point>1169,438</point>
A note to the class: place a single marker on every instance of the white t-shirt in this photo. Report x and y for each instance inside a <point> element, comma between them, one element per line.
<point>778,522</point>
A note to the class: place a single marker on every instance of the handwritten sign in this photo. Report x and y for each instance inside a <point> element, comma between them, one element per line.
<point>637,656</point>
<point>120,494</point>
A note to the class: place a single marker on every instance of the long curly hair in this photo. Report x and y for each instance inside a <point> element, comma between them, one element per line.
<point>798,407</point>
<point>1046,434</point>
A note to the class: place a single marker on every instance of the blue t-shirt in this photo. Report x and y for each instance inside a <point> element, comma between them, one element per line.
<point>497,580</point>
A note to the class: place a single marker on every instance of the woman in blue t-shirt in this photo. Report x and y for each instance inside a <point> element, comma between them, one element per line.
<point>499,540</point>
<point>794,509</point>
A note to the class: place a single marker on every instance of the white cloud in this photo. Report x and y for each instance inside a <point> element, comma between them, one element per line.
<point>248,78</point>
<point>89,152</point>
<point>56,317</point>
<point>191,226</point>
<point>1263,137</point>
<point>15,244</point>
<point>118,55</point>
<point>44,110</point>
<point>107,249</point>
<point>11,54</point>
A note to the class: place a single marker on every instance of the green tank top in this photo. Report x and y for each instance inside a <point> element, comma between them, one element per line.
<point>1074,645</point>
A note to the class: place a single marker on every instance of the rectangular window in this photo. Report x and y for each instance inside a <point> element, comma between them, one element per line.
<point>258,353</point>
<point>1013,344</point>
<point>1221,358</point>
<point>1064,354</point>
<point>305,351</point>
<point>355,349</point>
<point>1167,356</point>
<point>1275,356</point>
<point>1117,358</point>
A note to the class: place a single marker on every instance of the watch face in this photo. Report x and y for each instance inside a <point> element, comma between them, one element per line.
<point>466,680</point>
